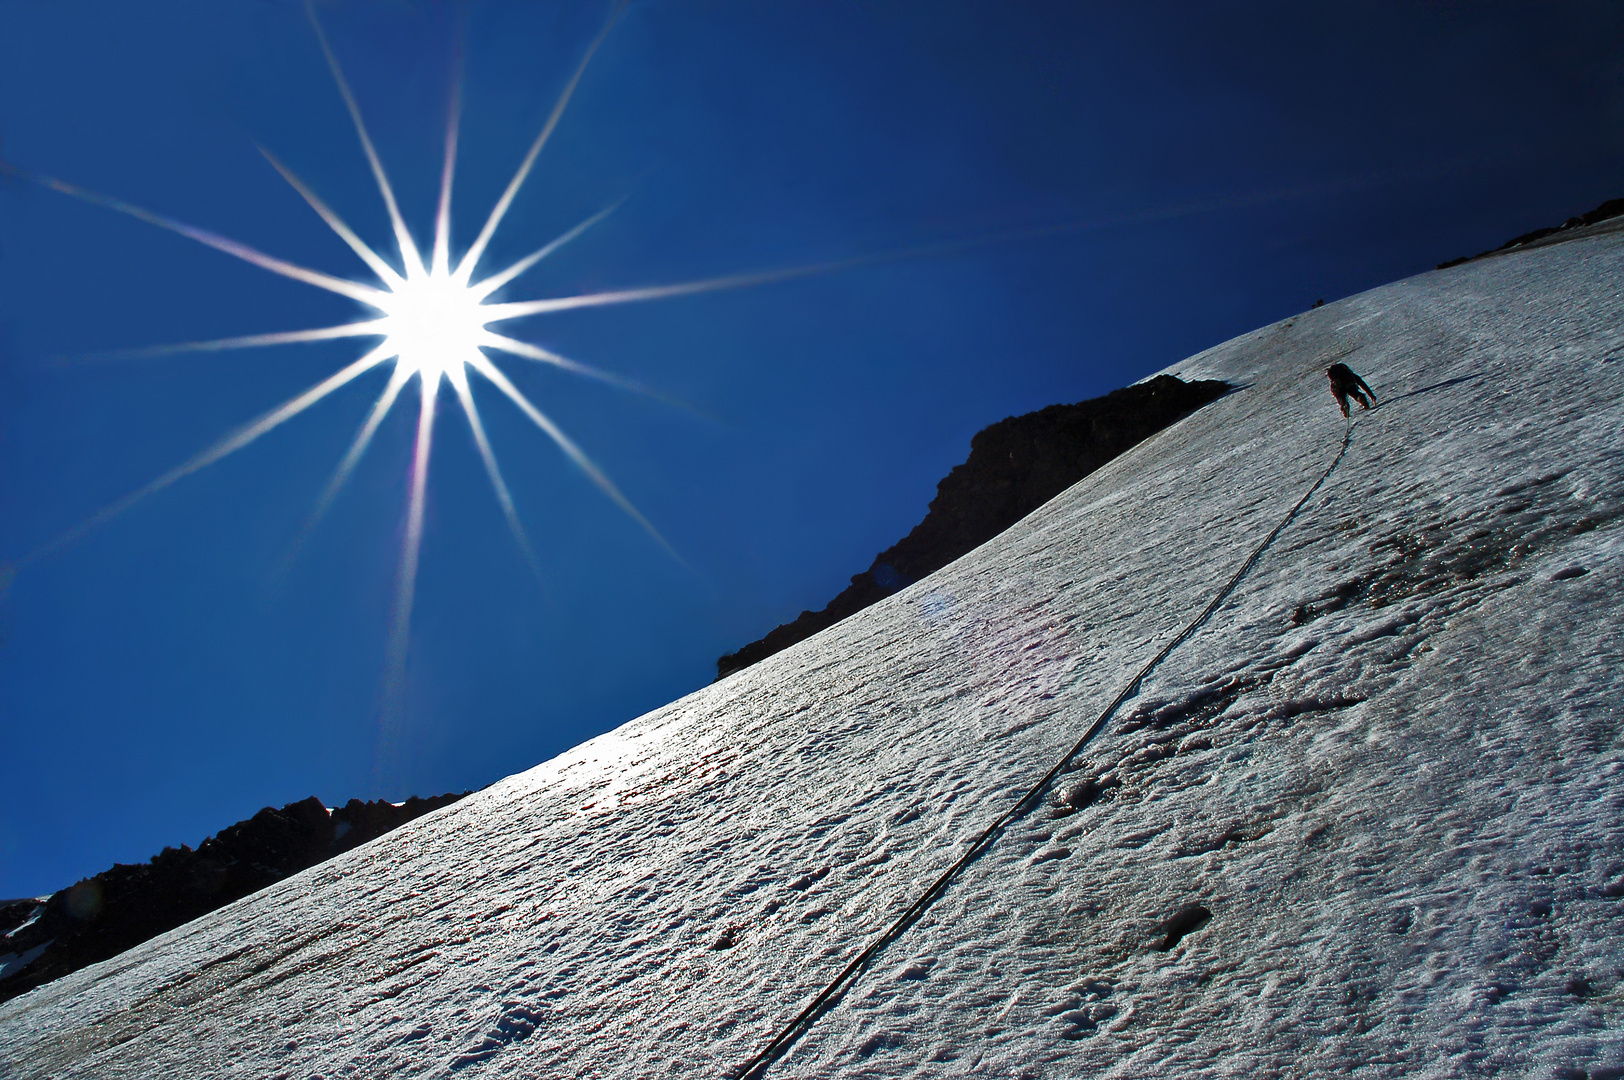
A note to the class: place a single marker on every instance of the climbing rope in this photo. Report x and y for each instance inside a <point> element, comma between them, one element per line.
<point>780,1044</point>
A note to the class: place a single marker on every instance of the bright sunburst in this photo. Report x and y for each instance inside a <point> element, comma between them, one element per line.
<point>434,320</point>
<point>432,323</point>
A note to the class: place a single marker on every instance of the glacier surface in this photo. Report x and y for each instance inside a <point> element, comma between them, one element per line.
<point>1389,767</point>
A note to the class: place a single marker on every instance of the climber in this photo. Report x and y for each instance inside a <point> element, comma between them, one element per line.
<point>1345,382</point>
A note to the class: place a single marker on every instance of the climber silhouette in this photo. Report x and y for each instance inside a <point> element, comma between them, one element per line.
<point>1346,383</point>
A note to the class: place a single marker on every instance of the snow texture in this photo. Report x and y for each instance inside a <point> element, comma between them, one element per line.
<point>1367,821</point>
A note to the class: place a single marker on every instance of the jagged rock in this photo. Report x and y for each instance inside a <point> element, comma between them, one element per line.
<point>1014,467</point>
<point>1612,208</point>
<point>102,916</point>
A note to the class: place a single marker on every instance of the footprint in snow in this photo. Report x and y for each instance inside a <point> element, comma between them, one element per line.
<point>517,1022</point>
<point>919,969</point>
<point>1185,920</point>
<point>1085,1021</point>
<point>806,881</point>
<point>884,1041</point>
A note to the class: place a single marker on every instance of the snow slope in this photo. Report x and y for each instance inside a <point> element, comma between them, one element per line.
<point>1390,766</point>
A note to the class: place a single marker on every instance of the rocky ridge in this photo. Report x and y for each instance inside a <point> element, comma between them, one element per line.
<point>98,918</point>
<point>1607,211</point>
<point>1014,467</point>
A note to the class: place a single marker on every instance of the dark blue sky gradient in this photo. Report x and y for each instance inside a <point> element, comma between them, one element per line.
<point>161,678</point>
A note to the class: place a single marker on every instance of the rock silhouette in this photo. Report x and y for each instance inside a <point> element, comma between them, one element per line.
<point>1612,208</point>
<point>101,916</point>
<point>1014,467</point>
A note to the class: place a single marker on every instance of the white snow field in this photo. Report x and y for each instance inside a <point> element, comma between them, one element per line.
<point>1389,765</point>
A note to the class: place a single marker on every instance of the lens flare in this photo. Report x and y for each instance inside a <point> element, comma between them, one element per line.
<point>432,319</point>
<point>431,322</point>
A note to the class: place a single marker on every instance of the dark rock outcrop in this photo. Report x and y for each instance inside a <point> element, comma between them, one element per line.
<point>101,916</point>
<point>1014,467</point>
<point>1612,208</point>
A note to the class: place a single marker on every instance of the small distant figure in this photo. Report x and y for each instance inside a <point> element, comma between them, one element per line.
<point>1320,302</point>
<point>1346,383</point>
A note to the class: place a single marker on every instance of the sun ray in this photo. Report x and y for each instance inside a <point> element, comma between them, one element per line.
<point>412,544</point>
<point>398,378</point>
<point>470,259</point>
<point>484,287</point>
<point>458,377</point>
<point>441,260</point>
<point>368,328</point>
<point>546,356</point>
<point>433,324</point>
<point>524,308</point>
<point>228,445</point>
<point>386,273</point>
<point>494,374</point>
<point>353,289</point>
<point>412,260</point>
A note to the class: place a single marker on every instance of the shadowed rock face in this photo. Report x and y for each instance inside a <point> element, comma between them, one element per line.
<point>1015,466</point>
<point>102,916</point>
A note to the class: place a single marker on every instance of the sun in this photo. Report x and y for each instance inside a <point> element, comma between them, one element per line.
<point>432,324</point>
<point>431,318</point>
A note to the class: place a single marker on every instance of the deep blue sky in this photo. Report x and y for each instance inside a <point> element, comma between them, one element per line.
<point>161,679</point>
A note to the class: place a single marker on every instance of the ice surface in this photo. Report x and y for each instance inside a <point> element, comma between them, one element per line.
<point>1389,769</point>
